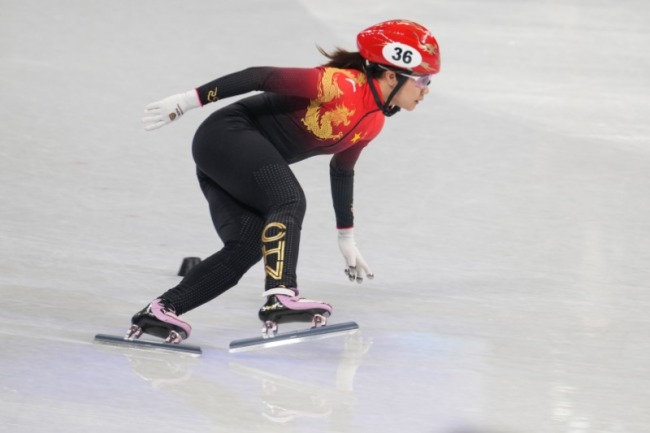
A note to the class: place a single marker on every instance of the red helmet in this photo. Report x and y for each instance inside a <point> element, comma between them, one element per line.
<point>400,44</point>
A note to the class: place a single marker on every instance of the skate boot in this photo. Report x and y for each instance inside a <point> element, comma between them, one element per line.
<point>159,319</point>
<point>283,306</point>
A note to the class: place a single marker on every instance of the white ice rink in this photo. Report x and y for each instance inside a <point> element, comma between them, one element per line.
<point>507,220</point>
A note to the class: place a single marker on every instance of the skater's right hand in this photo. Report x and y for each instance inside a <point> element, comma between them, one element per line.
<point>167,110</point>
<point>357,268</point>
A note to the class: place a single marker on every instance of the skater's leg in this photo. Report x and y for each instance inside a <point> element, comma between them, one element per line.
<point>239,228</point>
<point>281,239</point>
<point>283,223</point>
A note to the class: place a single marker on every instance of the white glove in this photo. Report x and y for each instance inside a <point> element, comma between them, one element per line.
<point>169,109</point>
<point>357,268</point>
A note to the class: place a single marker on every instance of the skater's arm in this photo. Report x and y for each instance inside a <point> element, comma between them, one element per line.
<point>342,184</point>
<point>342,181</point>
<point>301,82</point>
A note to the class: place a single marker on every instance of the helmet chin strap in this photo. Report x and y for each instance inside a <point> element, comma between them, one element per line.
<point>386,108</point>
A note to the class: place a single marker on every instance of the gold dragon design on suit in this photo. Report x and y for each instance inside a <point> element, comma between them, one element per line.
<point>322,121</point>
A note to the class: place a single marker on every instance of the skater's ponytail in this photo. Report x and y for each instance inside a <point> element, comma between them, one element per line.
<point>344,59</point>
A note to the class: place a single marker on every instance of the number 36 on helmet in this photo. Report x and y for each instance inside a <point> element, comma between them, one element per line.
<point>400,44</point>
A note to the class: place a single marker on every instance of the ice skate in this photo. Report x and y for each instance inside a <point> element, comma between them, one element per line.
<point>284,306</point>
<point>159,319</point>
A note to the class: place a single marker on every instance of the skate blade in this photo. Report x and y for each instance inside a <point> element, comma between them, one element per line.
<point>328,331</point>
<point>148,345</point>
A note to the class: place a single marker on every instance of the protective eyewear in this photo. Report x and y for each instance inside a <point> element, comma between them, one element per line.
<point>421,81</point>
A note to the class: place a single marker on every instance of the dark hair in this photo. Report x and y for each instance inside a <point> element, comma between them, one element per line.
<point>344,59</point>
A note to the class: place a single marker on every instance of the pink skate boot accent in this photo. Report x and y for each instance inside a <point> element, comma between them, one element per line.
<point>283,305</point>
<point>289,298</point>
<point>168,315</point>
<point>297,304</point>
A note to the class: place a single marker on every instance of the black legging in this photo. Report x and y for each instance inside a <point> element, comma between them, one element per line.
<point>256,204</point>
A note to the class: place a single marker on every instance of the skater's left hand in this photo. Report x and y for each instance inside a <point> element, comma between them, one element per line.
<point>357,268</point>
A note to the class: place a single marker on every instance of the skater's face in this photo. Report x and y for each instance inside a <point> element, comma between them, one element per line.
<point>412,92</point>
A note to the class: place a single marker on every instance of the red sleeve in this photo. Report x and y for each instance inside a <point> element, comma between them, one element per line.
<point>302,82</point>
<point>343,163</point>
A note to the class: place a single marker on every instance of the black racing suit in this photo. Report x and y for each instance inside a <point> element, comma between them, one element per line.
<point>243,152</point>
